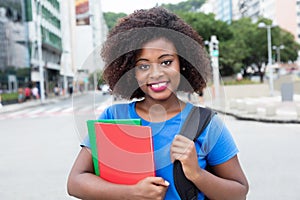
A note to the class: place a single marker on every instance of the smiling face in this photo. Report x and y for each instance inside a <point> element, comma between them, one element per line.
<point>157,69</point>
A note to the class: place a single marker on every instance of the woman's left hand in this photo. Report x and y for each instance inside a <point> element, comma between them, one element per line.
<point>184,150</point>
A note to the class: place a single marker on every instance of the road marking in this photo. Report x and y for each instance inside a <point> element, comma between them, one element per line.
<point>55,109</point>
<point>68,110</point>
<point>18,112</point>
<point>39,110</point>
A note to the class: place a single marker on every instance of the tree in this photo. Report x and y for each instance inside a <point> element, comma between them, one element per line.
<point>249,46</point>
<point>241,43</point>
<point>245,47</point>
<point>291,48</point>
<point>99,78</point>
<point>206,25</point>
<point>186,6</point>
<point>112,18</point>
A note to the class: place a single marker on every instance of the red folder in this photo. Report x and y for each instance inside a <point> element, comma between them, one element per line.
<point>125,152</point>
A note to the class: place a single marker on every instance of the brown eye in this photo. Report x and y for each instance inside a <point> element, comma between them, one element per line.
<point>166,63</point>
<point>143,67</point>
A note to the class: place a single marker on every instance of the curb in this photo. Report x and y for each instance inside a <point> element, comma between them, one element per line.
<point>258,119</point>
<point>31,104</point>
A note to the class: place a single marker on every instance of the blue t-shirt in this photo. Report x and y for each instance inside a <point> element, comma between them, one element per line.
<point>214,148</point>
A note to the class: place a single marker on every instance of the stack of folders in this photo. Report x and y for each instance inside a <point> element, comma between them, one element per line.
<point>122,150</point>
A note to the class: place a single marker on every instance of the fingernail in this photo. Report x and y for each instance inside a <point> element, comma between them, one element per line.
<point>167,183</point>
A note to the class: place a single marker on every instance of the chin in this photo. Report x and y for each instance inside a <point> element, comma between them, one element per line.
<point>160,97</point>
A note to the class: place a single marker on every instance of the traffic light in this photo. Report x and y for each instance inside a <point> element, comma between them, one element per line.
<point>214,46</point>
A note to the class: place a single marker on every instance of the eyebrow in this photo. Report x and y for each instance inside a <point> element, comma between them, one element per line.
<point>160,57</point>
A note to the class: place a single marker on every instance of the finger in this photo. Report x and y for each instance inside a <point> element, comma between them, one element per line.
<point>181,138</point>
<point>160,181</point>
<point>182,148</point>
<point>179,156</point>
<point>181,141</point>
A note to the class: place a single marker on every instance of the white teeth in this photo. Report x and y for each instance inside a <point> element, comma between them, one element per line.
<point>159,85</point>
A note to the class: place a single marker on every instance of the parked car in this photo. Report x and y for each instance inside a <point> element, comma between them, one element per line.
<point>105,89</point>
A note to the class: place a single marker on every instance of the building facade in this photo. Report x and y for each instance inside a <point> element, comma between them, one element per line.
<point>14,55</point>
<point>90,33</point>
<point>68,23</point>
<point>45,40</point>
<point>221,8</point>
<point>285,14</point>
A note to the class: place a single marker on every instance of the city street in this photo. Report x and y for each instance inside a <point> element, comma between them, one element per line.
<point>40,144</point>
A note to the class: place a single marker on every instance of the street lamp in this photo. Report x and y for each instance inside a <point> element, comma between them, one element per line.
<point>268,27</point>
<point>277,49</point>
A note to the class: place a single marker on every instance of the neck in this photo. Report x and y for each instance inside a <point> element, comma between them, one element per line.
<point>159,110</point>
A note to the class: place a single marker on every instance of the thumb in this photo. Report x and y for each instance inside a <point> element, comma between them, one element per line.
<point>160,181</point>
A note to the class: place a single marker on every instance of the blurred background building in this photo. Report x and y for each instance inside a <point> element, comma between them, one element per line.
<point>56,42</point>
<point>285,14</point>
<point>14,51</point>
<point>43,19</point>
<point>90,32</point>
<point>46,42</point>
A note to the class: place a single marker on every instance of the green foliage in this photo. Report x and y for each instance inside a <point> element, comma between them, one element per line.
<point>241,82</point>
<point>241,43</point>
<point>9,96</point>
<point>185,6</point>
<point>206,25</point>
<point>112,18</point>
<point>23,72</point>
<point>100,80</point>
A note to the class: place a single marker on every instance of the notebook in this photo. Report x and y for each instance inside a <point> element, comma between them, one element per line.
<point>122,153</point>
<point>92,135</point>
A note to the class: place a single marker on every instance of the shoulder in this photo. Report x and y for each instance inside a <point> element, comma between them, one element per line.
<point>218,142</point>
<point>119,110</point>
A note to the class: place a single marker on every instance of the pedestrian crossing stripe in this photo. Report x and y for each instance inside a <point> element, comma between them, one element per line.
<point>55,109</point>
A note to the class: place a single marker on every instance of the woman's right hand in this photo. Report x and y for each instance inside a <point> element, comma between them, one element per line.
<point>153,188</point>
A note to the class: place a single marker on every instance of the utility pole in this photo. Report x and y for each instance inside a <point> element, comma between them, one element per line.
<point>271,78</point>
<point>277,49</point>
<point>94,21</point>
<point>214,54</point>
<point>39,46</point>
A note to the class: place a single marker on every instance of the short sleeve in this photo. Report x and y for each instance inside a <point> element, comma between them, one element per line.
<point>106,114</point>
<point>222,145</point>
<point>115,111</point>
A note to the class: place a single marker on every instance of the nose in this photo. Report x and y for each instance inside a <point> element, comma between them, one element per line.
<point>156,71</point>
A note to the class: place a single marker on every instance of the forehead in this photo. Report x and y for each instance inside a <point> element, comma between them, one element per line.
<point>160,44</point>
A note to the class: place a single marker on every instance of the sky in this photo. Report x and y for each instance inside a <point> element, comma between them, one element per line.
<point>128,6</point>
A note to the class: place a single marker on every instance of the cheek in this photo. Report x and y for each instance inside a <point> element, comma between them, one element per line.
<point>177,78</point>
<point>175,74</point>
<point>140,78</point>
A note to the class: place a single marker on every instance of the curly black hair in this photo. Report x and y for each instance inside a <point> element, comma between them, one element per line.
<point>126,39</point>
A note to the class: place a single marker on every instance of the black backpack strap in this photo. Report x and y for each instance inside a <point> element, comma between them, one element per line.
<point>193,126</point>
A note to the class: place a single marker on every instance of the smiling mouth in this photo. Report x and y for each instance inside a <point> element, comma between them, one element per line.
<point>157,87</point>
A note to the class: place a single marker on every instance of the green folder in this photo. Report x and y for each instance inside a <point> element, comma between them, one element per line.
<point>92,135</point>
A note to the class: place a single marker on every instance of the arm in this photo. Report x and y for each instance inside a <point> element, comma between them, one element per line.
<point>84,184</point>
<point>227,181</point>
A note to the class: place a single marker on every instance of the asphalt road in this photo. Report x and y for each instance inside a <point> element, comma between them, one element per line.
<point>37,152</point>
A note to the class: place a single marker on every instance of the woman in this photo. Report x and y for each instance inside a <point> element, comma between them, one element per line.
<point>150,55</point>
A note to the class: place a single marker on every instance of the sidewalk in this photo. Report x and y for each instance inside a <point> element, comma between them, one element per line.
<point>264,109</point>
<point>254,102</point>
<point>250,102</point>
<point>31,103</point>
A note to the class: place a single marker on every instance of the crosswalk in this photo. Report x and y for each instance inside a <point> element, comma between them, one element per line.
<point>55,110</point>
